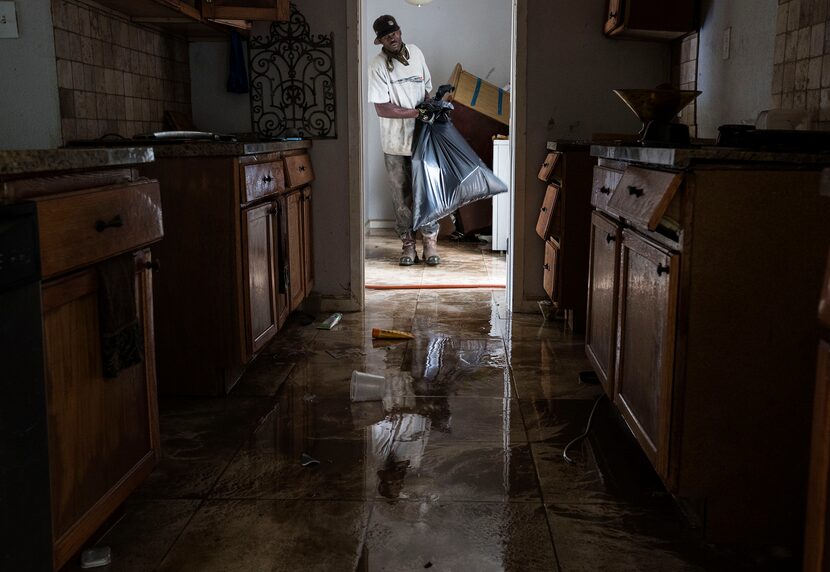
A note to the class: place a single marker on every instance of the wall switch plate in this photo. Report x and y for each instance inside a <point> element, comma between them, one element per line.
<point>726,46</point>
<point>8,20</point>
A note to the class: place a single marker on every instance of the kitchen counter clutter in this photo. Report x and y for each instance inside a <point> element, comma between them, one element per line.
<point>237,256</point>
<point>705,268</point>
<point>95,225</point>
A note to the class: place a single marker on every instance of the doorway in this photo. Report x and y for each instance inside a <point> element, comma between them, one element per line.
<point>478,36</point>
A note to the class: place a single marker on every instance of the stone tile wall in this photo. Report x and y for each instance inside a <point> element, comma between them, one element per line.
<point>801,64</point>
<point>684,74</point>
<point>115,76</point>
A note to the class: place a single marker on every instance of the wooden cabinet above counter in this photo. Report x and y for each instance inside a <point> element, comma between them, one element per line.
<point>200,18</point>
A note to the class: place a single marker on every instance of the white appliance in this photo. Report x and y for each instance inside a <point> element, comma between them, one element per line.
<point>501,202</point>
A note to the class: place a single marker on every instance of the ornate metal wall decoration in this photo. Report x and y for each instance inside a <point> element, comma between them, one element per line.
<point>292,81</point>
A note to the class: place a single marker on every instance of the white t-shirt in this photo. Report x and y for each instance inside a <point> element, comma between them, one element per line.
<point>404,86</point>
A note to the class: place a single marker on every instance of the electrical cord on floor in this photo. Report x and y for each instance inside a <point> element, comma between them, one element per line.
<point>584,433</point>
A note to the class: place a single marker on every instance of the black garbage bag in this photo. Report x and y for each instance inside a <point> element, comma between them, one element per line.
<point>446,172</point>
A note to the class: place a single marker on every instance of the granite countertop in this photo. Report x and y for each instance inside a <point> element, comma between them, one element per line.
<point>219,148</point>
<point>683,158</point>
<point>13,163</point>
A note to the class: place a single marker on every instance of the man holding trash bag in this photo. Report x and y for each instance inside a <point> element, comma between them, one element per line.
<point>399,81</point>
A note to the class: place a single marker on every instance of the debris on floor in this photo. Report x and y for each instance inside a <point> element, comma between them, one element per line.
<point>382,334</point>
<point>307,460</point>
<point>331,321</point>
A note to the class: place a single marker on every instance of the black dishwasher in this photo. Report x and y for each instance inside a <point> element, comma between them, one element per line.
<point>25,501</point>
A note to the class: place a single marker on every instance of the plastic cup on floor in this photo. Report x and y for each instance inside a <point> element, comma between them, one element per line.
<point>367,386</point>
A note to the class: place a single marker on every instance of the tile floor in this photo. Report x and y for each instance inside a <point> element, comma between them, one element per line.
<point>457,466</point>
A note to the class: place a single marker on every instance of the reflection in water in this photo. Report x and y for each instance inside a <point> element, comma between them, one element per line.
<point>396,444</point>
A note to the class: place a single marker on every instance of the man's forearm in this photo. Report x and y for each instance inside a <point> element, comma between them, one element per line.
<point>392,111</point>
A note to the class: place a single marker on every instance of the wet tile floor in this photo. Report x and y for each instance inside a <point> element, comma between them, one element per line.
<point>454,465</point>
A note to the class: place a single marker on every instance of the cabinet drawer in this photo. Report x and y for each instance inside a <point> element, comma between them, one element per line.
<point>547,212</point>
<point>548,166</point>
<point>605,181</point>
<point>298,170</point>
<point>551,276</point>
<point>88,227</point>
<point>643,195</point>
<point>263,179</point>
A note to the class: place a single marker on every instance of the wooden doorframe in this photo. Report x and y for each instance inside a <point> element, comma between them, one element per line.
<point>518,148</point>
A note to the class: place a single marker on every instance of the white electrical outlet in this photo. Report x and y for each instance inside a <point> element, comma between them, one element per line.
<point>8,20</point>
<point>727,41</point>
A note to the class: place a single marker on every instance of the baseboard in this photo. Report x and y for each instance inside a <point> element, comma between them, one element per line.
<point>376,224</point>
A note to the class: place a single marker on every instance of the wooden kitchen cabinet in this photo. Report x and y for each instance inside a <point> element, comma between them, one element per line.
<point>233,258</point>
<point>645,341</point>
<point>650,19</point>
<point>705,370</point>
<point>817,528</point>
<point>600,331</point>
<point>103,432</point>
<point>308,250</point>
<point>564,218</point>
<point>265,10</point>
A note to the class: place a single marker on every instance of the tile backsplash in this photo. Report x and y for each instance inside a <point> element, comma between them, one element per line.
<point>801,64</point>
<point>115,76</point>
<point>684,58</point>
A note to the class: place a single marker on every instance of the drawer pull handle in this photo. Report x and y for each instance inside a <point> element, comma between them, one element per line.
<point>547,266</point>
<point>267,178</point>
<point>302,168</point>
<point>155,265</point>
<point>609,238</point>
<point>544,165</point>
<point>636,191</point>
<point>115,222</point>
<point>544,209</point>
<point>272,210</point>
<point>662,270</point>
<point>605,190</point>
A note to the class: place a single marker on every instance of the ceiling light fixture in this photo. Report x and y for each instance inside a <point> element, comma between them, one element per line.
<point>419,3</point>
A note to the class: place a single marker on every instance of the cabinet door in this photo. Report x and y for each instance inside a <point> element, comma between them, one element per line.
<point>645,343</point>
<point>817,534</point>
<point>259,263</point>
<point>600,331</point>
<point>294,216</point>
<point>282,272</point>
<point>308,250</point>
<point>266,10</point>
<point>103,433</point>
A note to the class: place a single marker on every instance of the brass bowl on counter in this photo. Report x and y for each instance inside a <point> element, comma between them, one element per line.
<point>660,104</point>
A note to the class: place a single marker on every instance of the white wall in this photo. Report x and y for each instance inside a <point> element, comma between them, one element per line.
<point>30,110</point>
<point>737,89</point>
<point>571,70</point>
<point>474,33</point>
<point>214,108</point>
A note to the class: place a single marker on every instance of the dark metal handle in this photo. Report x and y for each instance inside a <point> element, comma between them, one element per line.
<point>605,190</point>
<point>609,238</point>
<point>636,191</point>
<point>272,210</point>
<point>662,270</point>
<point>302,168</point>
<point>267,178</point>
<point>547,266</point>
<point>115,222</point>
<point>612,15</point>
<point>155,265</point>
<point>544,209</point>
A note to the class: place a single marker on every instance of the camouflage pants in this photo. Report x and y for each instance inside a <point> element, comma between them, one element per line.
<point>399,169</point>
